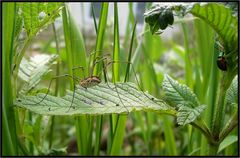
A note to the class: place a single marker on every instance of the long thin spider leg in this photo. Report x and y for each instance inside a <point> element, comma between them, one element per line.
<point>64,75</point>
<point>95,58</point>
<point>74,85</point>
<point>107,78</point>
<point>96,62</point>
<point>74,88</point>
<point>79,67</point>
<point>120,97</point>
<point>135,74</point>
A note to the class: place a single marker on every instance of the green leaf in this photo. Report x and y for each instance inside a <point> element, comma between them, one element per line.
<point>38,15</point>
<point>32,71</point>
<point>232,92</point>
<point>159,17</point>
<point>227,142</point>
<point>187,115</point>
<point>221,19</point>
<point>97,100</point>
<point>178,93</point>
<point>217,15</point>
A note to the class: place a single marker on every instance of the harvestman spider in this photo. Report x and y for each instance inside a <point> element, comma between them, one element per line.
<point>91,81</point>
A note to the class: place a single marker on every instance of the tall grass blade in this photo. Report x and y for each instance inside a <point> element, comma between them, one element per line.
<point>9,133</point>
<point>118,122</point>
<point>76,54</point>
<point>96,70</point>
<point>100,36</point>
<point>130,55</point>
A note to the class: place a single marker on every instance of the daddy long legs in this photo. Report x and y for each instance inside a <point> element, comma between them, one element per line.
<point>92,81</point>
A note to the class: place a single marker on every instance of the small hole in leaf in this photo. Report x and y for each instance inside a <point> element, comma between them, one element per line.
<point>117,104</point>
<point>48,14</point>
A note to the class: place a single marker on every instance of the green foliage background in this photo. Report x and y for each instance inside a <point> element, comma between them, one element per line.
<point>197,114</point>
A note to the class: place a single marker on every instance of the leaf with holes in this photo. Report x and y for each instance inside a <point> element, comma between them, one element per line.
<point>178,93</point>
<point>187,115</point>
<point>32,71</point>
<point>105,98</point>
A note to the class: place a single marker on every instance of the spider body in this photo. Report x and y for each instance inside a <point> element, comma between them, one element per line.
<point>90,81</point>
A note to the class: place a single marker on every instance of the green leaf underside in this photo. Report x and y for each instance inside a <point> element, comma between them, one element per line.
<point>32,71</point>
<point>179,93</point>
<point>221,19</point>
<point>97,100</point>
<point>232,92</point>
<point>187,115</point>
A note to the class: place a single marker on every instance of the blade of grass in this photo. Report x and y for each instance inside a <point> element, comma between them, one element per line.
<point>65,19</point>
<point>206,57</point>
<point>52,119</point>
<point>188,68</point>
<point>169,137</point>
<point>94,18</point>
<point>99,45</point>
<point>76,53</point>
<point>9,133</point>
<point>130,23</point>
<point>188,65</point>
<point>130,55</point>
<point>100,36</point>
<point>118,122</point>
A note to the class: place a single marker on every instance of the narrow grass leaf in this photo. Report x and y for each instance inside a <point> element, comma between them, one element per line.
<point>227,142</point>
<point>9,129</point>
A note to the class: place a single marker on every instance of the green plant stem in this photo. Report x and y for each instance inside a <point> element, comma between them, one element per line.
<point>199,124</point>
<point>98,135</point>
<point>220,109</point>
<point>229,127</point>
<point>30,142</point>
<point>52,119</point>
